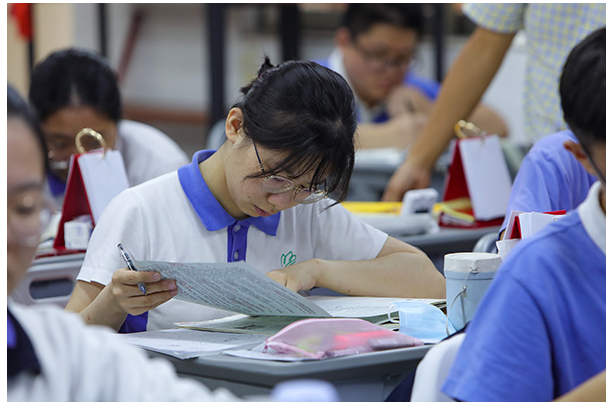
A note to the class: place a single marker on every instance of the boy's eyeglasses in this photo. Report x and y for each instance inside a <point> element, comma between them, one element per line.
<point>381,61</point>
<point>277,184</point>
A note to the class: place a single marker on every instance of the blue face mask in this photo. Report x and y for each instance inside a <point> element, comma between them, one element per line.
<point>421,320</point>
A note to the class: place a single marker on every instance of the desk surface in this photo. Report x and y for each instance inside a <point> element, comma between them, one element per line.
<point>448,238</point>
<point>366,377</point>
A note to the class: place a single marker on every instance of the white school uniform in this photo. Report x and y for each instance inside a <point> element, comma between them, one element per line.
<point>53,356</point>
<point>176,218</point>
<point>147,152</point>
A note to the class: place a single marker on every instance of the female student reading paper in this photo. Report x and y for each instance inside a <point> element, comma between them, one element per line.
<point>261,198</point>
<point>50,354</point>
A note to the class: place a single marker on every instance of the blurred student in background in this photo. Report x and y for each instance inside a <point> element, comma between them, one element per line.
<point>375,48</point>
<point>51,354</point>
<point>551,30</point>
<point>73,89</point>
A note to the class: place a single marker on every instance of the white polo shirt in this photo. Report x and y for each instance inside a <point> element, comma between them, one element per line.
<point>176,218</point>
<point>53,356</point>
<point>147,151</point>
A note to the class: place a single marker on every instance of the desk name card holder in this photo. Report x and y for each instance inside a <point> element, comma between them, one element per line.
<point>478,172</point>
<point>95,177</point>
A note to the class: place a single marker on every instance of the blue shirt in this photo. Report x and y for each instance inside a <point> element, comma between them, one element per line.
<point>539,331</point>
<point>550,178</point>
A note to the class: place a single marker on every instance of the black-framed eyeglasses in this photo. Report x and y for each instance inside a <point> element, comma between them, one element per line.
<point>381,61</point>
<point>277,184</point>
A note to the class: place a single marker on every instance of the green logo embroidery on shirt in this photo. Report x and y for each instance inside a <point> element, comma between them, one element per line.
<point>288,259</point>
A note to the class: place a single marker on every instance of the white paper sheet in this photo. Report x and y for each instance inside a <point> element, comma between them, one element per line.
<point>372,309</point>
<point>104,177</point>
<point>360,307</point>
<point>258,354</point>
<point>186,344</point>
<point>488,179</point>
<point>532,222</point>
<point>233,286</point>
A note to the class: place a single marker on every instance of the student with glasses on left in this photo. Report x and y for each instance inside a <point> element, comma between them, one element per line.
<point>51,355</point>
<point>261,198</point>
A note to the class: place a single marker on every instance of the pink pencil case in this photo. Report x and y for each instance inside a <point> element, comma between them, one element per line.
<point>318,338</point>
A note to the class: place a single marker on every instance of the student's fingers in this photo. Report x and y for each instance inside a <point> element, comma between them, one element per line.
<point>141,304</point>
<point>162,286</point>
<point>278,276</point>
<point>128,277</point>
<point>407,177</point>
<point>284,279</point>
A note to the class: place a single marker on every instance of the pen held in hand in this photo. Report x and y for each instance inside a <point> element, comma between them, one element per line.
<point>131,266</point>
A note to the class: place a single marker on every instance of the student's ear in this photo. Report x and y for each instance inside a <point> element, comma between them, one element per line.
<point>233,125</point>
<point>576,149</point>
<point>342,38</point>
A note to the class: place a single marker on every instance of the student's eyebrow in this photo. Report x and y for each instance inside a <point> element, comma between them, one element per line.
<point>24,187</point>
<point>55,134</point>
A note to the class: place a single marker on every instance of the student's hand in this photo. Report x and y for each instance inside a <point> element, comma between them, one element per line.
<point>401,99</point>
<point>128,296</point>
<point>405,128</point>
<point>409,176</point>
<point>398,132</point>
<point>301,276</point>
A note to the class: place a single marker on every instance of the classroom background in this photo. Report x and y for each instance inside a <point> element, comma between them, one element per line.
<point>180,66</point>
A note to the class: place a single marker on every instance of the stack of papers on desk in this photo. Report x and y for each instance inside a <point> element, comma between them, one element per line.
<point>186,344</point>
<point>372,309</point>
<point>264,305</point>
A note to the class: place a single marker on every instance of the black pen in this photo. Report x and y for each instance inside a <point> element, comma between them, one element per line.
<point>131,266</point>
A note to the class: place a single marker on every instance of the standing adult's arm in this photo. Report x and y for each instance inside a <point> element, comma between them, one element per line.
<point>463,87</point>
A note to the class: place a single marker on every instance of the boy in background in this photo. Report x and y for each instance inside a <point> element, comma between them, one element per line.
<point>375,48</point>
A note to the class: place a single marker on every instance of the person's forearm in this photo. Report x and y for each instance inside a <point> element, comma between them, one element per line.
<point>374,136</point>
<point>461,91</point>
<point>489,121</point>
<point>398,132</point>
<point>591,390</point>
<point>402,274</point>
<point>104,311</point>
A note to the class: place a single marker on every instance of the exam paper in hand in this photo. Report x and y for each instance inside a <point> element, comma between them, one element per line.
<point>186,344</point>
<point>233,286</point>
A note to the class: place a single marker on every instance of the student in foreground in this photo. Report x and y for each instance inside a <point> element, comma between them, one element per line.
<point>375,48</point>
<point>52,355</point>
<point>539,330</point>
<point>260,198</point>
<point>73,89</point>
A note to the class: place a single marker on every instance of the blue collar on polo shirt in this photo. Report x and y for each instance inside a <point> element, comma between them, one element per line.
<point>208,209</point>
<point>56,185</point>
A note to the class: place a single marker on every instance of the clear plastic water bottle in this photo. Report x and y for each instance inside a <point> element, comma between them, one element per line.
<point>305,391</point>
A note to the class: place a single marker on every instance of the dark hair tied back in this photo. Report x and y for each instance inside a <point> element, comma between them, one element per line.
<point>307,112</point>
<point>17,108</point>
